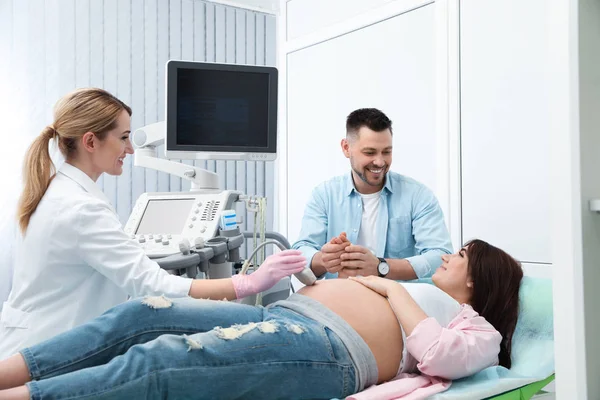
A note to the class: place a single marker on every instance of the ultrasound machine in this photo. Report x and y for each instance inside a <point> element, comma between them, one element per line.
<point>213,112</point>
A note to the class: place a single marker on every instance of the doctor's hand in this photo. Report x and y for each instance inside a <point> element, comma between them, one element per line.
<point>330,253</point>
<point>272,270</point>
<point>358,260</point>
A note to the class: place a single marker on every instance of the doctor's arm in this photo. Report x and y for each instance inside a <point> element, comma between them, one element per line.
<point>103,245</point>
<point>272,270</point>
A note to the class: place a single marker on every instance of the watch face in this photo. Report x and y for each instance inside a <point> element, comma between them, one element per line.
<point>383,268</point>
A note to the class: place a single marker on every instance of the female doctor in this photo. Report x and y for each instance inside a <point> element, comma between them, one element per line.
<point>74,260</point>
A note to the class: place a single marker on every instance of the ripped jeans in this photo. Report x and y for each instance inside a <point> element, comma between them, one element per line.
<point>134,351</point>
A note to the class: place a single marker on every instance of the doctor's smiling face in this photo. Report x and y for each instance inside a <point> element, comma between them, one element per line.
<point>368,145</point>
<point>115,146</point>
<point>107,154</point>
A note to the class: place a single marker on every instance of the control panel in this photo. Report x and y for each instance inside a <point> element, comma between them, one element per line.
<point>160,221</point>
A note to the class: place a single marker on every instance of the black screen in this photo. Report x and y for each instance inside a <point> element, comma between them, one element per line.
<point>222,108</point>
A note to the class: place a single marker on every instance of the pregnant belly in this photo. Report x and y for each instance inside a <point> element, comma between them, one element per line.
<point>369,314</point>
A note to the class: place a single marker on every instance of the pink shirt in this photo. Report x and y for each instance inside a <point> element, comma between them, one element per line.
<point>468,345</point>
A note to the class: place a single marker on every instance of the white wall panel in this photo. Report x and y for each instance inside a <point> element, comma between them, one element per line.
<point>307,16</point>
<point>389,65</point>
<point>505,122</point>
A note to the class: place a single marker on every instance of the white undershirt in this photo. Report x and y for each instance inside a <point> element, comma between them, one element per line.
<point>436,304</point>
<point>367,235</point>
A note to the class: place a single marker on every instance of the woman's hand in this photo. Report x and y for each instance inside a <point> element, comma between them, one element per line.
<point>377,284</point>
<point>405,308</point>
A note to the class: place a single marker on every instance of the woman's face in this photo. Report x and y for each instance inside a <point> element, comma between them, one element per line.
<point>115,147</point>
<point>453,275</point>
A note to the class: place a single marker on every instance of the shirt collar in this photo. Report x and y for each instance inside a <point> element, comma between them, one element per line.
<point>349,184</point>
<point>83,180</point>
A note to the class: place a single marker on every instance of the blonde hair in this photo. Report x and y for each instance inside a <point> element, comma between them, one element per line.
<point>83,110</point>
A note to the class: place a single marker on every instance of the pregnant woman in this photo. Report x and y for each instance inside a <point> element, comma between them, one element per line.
<point>332,339</point>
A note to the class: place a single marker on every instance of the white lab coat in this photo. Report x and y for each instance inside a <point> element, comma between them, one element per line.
<point>74,263</point>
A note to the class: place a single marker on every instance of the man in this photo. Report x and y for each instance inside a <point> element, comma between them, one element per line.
<point>372,221</point>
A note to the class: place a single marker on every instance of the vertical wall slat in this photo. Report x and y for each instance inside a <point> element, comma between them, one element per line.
<point>175,54</point>
<point>11,184</point>
<point>20,54</point>
<point>269,177</point>
<point>220,49</point>
<point>82,43</point>
<point>138,90</point>
<point>270,60</point>
<point>66,45</point>
<point>6,40</point>
<point>210,52</point>
<point>96,47</point>
<point>36,69</point>
<point>6,36</point>
<point>187,53</point>
<point>51,58</point>
<point>164,27</point>
<point>260,60</point>
<point>240,166</point>
<point>250,165</point>
<point>200,46</point>
<point>124,182</point>
<point>150,77</point>
<point>110,76</point>
<point>230,42</point>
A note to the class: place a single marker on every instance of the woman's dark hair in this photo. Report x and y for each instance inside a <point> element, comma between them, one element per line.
<point>496,280</point>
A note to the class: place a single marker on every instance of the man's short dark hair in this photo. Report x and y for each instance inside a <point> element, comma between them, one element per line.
<point>372,118</point>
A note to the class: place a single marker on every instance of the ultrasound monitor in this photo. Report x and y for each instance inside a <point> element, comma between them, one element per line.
<point>168,216</point>
<point>221,111</point>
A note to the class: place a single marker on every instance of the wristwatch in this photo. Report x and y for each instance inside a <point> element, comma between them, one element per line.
<point>383,268</point>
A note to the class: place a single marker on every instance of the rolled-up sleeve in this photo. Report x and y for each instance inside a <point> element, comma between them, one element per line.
<point>104,246</point>
<point>432,239</point>
<point>313,233</point>
<point>467,346</point>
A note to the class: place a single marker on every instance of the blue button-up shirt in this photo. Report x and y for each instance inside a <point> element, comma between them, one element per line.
<point>410,222</point>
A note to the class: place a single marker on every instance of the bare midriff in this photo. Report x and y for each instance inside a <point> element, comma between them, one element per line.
<point>369,314</point>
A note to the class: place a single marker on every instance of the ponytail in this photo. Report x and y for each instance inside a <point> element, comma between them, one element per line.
<point>38,172</point>
<point>83,110</point>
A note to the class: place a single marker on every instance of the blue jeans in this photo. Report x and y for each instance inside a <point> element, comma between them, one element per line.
<point>134,351</point>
